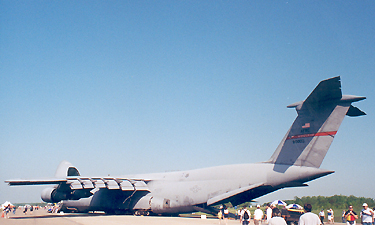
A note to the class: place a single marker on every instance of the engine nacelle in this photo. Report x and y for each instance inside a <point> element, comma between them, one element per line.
<point>52,195</point>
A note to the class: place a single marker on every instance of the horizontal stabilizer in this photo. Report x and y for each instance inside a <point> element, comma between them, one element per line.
<point>354,111</point>
<point>326,90</point>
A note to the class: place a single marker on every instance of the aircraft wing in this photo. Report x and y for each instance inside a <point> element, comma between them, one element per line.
<point>35,182</point>
<point>76,183</point>
<point>227,195</point>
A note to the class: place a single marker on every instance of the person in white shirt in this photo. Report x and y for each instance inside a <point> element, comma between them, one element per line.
<point>309,218</point>
<point>367,215</point>
<point>322,216</point>
<point>269,212</point>
<point>258,215</point>
<point>276,218</point>
<point>330,216</point>
<point>226,215</point>
<point>238,215</point>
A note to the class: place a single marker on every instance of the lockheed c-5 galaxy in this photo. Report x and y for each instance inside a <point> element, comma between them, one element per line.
<point>296,161</point>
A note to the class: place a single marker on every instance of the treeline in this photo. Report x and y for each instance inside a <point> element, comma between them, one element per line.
<point>336,201</point>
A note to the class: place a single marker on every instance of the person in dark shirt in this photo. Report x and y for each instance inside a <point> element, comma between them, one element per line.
<point>350,216</point>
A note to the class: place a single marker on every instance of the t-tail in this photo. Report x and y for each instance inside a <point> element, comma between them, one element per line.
<point>319,117</point>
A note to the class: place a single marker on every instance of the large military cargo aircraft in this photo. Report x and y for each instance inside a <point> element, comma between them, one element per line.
<point>296,161</point>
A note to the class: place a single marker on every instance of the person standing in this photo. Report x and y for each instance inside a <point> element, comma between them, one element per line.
<point>343,216</point>
<point>265,215</point>
<point>367,215</point>
<point>7,211</point>
<point>220,214</point>
<point>239,214</point>
<point>269,212</point>
<point>350,216</point>
<point>276,218</point>
<point>245,216</point>
<point>330,216</point>
<point>258,215</point>
<point>322,216</point>
<point>309,218</point>
<point>226,215</point>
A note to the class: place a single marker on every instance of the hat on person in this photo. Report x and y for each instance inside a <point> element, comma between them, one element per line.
<point>258,206</point>
<point>364,204</point>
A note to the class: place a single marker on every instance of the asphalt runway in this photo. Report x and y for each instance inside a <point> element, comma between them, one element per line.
<point>41,217</point>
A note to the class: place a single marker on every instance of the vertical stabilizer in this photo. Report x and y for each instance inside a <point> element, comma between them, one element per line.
<point>319,117</point>
<point>66,169</point>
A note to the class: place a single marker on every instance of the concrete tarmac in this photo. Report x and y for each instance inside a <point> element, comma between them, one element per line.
<point>41,217</point>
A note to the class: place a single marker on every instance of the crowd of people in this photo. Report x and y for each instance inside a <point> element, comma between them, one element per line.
<point>272,216</point>
<point>11,208</point>
<point>26,209</point>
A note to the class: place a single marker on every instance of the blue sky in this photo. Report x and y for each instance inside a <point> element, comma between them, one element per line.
<point>124,87</point>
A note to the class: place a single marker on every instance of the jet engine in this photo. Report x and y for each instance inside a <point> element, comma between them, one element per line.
<point>54,195</point>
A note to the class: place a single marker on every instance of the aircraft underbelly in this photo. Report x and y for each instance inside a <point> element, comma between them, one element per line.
<point>205,185</point>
